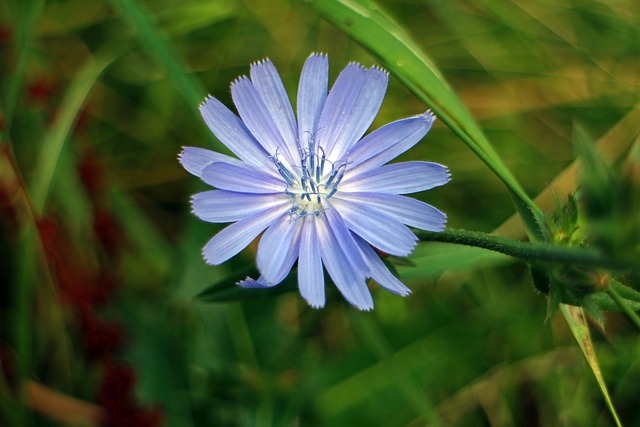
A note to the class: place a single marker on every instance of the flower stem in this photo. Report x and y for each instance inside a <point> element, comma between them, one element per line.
<point>528,252</point>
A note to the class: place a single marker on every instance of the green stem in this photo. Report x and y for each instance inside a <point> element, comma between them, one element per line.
<point>632,315</point>
<point>529,252</point>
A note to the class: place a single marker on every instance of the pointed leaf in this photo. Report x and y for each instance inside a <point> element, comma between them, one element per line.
<point>576,319</point>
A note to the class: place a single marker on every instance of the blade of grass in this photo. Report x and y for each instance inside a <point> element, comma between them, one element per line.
<point>576,319</point>
<point>25,15</point>
<point>50,153</point>
<point>369,25</point>
<point>157,45</point>
<point>70,108</point>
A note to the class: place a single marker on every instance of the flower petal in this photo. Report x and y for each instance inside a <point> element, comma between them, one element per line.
<point>238,235</point>
<point>241,179</point>
<point>381,230</point>
<point>195,159</point>
<point>388,142</point>
<point>340,102</point>
<point>379,272</point>
<point>397,178</point>
<point>257,117</point>
<point>229,206</point>
<point>338,264</point>
<point>273,247</point>
<point>310,274</point>
<point>345,239</point>
<point>407,210</point>
<point>230,130</point>
<point>353,122</point>
<point>290,257</point>
<point>312,93</point>
<point>266,80</point>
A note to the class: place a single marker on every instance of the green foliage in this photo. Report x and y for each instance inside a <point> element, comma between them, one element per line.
<point>95,228</point>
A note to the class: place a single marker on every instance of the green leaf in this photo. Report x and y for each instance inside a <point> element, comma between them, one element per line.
<point>432,259</point>
<point>369,25</point>
<point>577,322</point>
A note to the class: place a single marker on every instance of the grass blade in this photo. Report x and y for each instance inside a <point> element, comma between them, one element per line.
<point>70,108</point>
<point>156,44</point>
<point>25,15</point>
<point>365,22</point>
<point>576,319</point>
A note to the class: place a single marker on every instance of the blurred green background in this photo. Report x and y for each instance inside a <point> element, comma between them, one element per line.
<point>100,256</point>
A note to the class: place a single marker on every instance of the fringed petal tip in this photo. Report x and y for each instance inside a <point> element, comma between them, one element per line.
<point>315,305</point>
<point>262,61</point>
<point>318,54</point>
<point>196,159</point>
<point>379,69</point>
<point>402,291</point>
<point>363,307</point>
<point>405,293</point>
<point>250,283</point>
<point>429,115</point>
<point>375,68</point>
<point>447,173</point>
<point>207,258</point>
<point>205,101</point>
<point>240,79</point>
<point>444,221</point>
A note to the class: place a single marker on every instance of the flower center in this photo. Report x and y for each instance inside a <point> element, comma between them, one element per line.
<point>313,182</point>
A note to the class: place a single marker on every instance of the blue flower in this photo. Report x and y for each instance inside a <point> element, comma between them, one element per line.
<point>325,195</point>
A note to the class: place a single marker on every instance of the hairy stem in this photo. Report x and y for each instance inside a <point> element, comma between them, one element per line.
<point>529,252</point>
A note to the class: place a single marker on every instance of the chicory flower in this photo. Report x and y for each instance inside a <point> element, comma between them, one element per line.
<point>324,195</point>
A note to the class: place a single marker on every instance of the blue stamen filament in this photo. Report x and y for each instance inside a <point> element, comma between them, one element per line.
<point>310,187</point>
